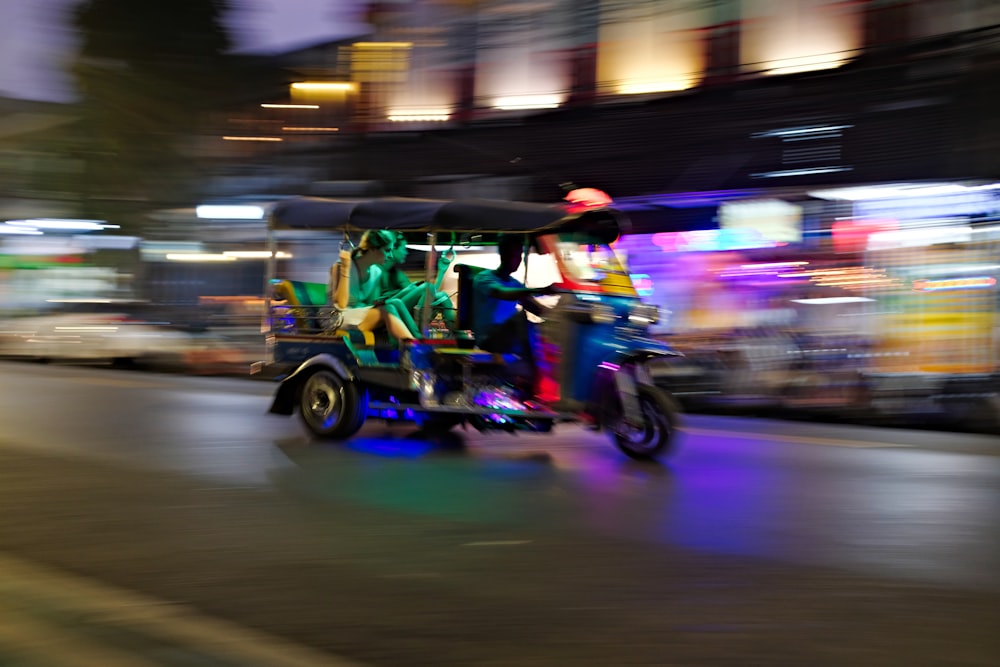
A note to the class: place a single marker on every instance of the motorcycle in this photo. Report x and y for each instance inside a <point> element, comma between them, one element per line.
<point>593,365</point>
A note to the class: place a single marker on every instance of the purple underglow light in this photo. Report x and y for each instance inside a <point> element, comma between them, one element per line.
<point>607,365</point>
<point>497,400</point>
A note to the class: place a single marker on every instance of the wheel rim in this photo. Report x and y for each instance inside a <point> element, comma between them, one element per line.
<point>648,435</point>
<point>323,399</point>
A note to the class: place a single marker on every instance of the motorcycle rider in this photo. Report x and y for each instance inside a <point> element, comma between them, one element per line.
<point>499,326</point>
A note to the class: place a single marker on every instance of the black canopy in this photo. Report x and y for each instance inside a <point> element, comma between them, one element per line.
<point>414,215</point>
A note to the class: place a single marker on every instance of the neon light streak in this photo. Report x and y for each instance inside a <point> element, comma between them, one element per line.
<point>979,282</point>
<point>800,172</point>
<point>234,138</point>
<point>323,85</point>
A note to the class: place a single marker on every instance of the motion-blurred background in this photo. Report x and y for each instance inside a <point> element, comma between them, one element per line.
<point>814,185</point>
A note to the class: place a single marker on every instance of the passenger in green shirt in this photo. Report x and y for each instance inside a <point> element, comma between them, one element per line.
<point>405,296</point>
<point>355,283</point>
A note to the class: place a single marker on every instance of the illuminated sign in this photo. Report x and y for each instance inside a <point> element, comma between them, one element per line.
<point>643,283</point>
<point>712,240</point>
<point>852,235</point>
<point>915,237</point>
<point>772,219</point>
<point>913,208</point>
<point>979,282</point>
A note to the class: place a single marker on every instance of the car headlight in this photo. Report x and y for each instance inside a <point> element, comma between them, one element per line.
<point>644,314</point>
<point>601,313</point>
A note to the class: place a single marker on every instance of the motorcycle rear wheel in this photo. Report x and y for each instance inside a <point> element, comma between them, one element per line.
<point>331,407</point>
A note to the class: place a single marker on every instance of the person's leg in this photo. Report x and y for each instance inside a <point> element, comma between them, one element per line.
<point>379,317</point>
<point>373,319</point>
<point>397,328</point>
<point>411,301</point>
<point>410,295</point>
<point>511,335</point>
<point>398,309</point>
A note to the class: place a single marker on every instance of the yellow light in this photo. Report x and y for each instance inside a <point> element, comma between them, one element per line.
<point>310,129</point>
<point>413,115</point>
<point>527,102</point>
<point>231,138</point>
<point>290,106</point>
<point>323,85</point>
<point>383,45</point>
<point>656,87</point>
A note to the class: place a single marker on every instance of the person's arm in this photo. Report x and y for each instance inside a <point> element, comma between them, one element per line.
<point>532,305</point>
<point>524,295</point>
<point>340,280</point>
<point>493,288</point>
<point>369,289</point>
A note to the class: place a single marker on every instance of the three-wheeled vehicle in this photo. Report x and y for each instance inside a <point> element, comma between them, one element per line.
<point>595,353</point>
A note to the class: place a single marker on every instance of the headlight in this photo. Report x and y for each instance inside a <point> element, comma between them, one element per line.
<point>644,314</point>
<point>601,313</point>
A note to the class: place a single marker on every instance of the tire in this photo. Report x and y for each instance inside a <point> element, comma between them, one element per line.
<point>656,436</point>
<point>331,407</point>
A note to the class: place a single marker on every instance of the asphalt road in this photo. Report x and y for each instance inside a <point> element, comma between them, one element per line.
<point>757,542</point>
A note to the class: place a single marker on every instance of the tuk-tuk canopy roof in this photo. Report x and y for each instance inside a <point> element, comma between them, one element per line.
<point>458,215</point>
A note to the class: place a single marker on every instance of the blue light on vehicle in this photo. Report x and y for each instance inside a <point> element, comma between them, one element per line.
<point>391,447</point>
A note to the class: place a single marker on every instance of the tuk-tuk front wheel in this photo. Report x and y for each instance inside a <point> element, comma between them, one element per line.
<point>332,407</point>
<point>653,435</point>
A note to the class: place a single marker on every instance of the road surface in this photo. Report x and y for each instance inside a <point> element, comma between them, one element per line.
<point>757,542</point>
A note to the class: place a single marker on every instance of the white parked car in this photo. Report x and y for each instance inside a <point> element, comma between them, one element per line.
<point>107,333</point>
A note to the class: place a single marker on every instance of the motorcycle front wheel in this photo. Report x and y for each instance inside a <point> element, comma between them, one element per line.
<point>653,435</point>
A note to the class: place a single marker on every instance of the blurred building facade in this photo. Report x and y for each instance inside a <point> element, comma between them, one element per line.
<point>642,99</point>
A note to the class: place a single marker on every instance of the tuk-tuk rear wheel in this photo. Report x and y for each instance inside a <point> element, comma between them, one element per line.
<point>331,407</point>
<point>659,420</point>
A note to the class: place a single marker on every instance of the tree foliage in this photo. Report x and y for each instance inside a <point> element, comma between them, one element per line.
<point>146,71</point>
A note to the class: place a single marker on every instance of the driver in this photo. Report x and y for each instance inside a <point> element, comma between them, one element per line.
<point>498,325</point>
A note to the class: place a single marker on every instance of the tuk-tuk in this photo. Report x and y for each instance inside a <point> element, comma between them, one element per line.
<point>595,349</point>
